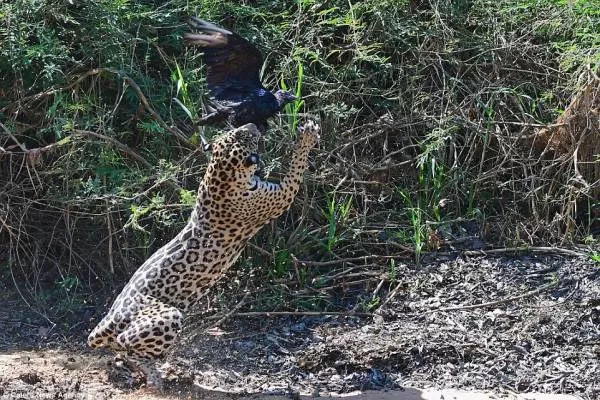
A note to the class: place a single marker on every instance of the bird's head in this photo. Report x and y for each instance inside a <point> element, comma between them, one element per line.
<point>284,97</point>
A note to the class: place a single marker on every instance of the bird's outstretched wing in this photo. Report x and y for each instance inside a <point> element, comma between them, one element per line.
<point>232,62</point>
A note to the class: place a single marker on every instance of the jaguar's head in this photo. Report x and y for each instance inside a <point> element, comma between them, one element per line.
<point>236,151</point>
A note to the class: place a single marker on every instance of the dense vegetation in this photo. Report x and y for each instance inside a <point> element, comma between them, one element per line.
<point>432,114</point>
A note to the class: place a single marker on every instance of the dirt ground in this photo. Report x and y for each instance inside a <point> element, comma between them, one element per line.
<point>537,331</point>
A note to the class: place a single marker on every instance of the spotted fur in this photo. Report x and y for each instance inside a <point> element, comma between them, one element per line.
<point>231,206</point>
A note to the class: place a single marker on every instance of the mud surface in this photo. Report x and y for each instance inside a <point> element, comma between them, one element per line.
<point>538,331</point>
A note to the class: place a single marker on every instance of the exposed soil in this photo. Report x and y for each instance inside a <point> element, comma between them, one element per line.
<point>540,332</point>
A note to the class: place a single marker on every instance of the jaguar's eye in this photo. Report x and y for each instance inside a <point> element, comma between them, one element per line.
<point>252,159</point>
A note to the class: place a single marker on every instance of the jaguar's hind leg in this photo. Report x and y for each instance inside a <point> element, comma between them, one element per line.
<point>149,335</point>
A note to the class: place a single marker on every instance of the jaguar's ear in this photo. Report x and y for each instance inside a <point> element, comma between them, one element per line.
<point>207,147</point>
<point>252,159</point>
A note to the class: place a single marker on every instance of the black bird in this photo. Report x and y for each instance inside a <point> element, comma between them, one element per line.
<point>235,91</point>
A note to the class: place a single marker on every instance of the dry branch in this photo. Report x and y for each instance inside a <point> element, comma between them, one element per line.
<point>300,314</point>
<point>493,303</point>
<point>342,260</point>
<point>122,147</point>
<point>534,249</point>
<point>98,71</point>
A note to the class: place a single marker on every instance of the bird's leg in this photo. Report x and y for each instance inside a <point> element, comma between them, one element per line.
<point>215,116</point>
<point>211,118</point>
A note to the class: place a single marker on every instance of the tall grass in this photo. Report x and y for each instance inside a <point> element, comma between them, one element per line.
<point>292,109</point>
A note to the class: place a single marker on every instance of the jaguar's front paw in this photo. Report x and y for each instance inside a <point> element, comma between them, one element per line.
<point>309,133</point>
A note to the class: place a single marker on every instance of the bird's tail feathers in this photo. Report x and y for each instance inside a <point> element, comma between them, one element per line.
<point>200,39</point>
<point>206,26</point>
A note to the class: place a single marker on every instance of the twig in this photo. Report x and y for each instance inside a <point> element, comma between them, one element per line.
<point>347,284</point>
<point>341,260</point>
<point>233,310</point>
<point>123,147</point>
<point>343,274</point>
<point>378,288</point>
<point>111,262</point>
<point>14,139</point>
<point>493,303</point>
<point>6,226</point>
<point>260,250</point>
<point>527,124</point>
<point>378,132</point>
<point>390,296</point>
<point>301,313</point>
<point>97,71</point>
<point>524,249</point>
<point>53,91</point>
<point>35,152</point>
<point>176,132</point>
